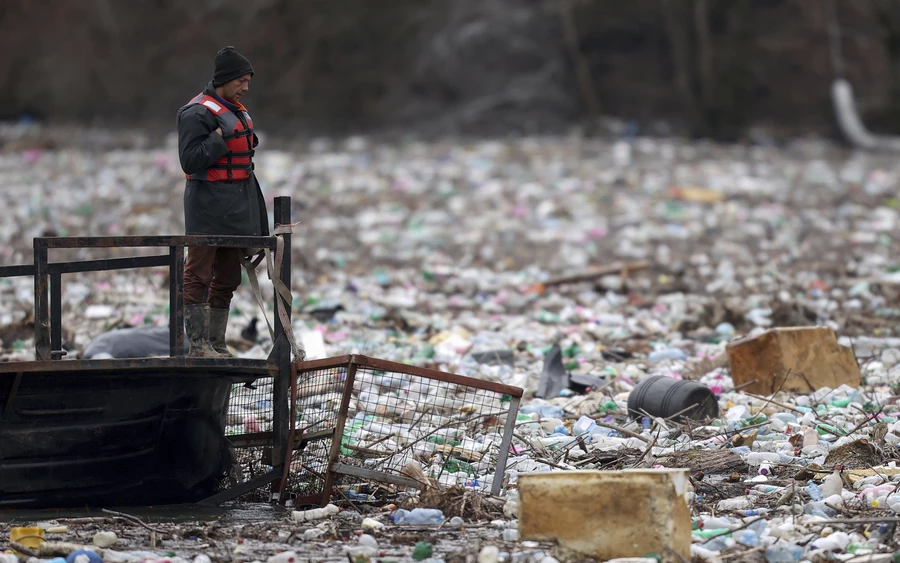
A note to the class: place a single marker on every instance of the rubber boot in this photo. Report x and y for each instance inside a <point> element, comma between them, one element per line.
<point>218,322</point>
<point>196,327</point>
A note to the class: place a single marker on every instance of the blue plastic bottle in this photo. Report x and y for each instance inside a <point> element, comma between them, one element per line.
<point>418,516</point>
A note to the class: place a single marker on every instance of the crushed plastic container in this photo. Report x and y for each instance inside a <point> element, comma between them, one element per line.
<point>31,537</point>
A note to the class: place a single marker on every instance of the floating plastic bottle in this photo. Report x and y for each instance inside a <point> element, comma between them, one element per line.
<point>658,356</point>
<point>584,425</point>
<point>418,516</point>
<point>837,541</point>
<point>784,553</point>
<point>815,492</point>
<point>737,503</point>
<point>544,411</point>
<point>748,538</point>
<point>315,513</point>
<point>283,557</point>
<point>84,556</point>
<point>717,522</point>
<point>754,512</point>
<point>758,458</point>
<point>368,541</point>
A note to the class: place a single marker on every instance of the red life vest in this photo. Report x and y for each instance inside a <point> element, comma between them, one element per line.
<point>237,131</point>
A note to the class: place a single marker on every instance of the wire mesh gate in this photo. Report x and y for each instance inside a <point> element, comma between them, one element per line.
<point>360,418</point>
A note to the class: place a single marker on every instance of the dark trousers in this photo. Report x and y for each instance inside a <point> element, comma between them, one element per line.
<point>213,272</point>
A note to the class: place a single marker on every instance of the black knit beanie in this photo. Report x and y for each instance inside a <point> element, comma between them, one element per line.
<point>230,65</point>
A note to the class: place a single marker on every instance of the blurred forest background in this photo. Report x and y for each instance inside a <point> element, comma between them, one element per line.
<point>713,68</point>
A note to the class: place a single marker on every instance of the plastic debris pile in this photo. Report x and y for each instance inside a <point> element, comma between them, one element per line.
<point>445,255</point>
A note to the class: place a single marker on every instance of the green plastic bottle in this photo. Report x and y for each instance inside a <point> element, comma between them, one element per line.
<point>823,429</point>
<point>609,406</point>
<point>427,352</point>
<point>422,551</point>
<point>706,534</point>
<point>347,437</point>
<point>455,466</point>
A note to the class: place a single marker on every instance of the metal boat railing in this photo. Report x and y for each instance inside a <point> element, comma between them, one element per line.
<point>48,318</point>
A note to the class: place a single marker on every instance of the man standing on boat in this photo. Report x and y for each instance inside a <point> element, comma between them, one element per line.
<point>216,144</point>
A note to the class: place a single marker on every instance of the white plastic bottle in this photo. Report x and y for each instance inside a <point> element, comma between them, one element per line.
<point>837,541</point>
<point>757,458</point>
<point>767,489</point>
<point>283,557</point>
<point>737,503</point>
<point>891,501</point>
<point>315,513</point>
<point>717,523</point>
<point>489,554</point>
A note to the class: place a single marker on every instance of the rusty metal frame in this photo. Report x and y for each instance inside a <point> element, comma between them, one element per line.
<point>338,436</point>
<point>352,363</point>
<point>288,453</point>
<point>428,373</point>
<point>48,322</point>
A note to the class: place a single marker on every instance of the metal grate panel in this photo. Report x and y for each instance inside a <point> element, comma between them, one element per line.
<point>458,429</point>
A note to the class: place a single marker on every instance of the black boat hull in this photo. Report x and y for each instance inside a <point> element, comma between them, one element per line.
<point>113,436</point>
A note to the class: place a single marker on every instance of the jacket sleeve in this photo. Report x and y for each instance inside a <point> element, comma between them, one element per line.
<point>199,146</point>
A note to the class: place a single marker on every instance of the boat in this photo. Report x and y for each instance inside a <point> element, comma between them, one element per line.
<point>123,432</point>
<point>137,431</point>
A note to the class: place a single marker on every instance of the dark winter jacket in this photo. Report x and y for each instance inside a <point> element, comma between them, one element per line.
<point>215,208</point>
